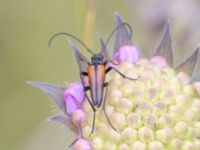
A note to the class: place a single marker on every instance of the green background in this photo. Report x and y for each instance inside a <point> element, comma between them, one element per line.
<point>26,26</point>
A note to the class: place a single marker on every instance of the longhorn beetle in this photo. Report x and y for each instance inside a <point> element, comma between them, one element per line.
<point>96,71</point>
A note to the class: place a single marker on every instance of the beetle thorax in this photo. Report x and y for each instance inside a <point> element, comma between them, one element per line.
<point>97,59</point>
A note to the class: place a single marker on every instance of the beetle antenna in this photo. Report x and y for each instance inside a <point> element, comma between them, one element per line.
<point>116,28</point>
<point>72,36</point>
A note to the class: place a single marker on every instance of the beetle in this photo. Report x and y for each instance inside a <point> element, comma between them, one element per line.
<point>95,70</point>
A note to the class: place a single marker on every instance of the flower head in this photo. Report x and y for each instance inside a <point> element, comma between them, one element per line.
<point>158,110</point>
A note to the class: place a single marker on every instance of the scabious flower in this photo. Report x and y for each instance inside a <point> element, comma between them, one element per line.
<point>158,111</point>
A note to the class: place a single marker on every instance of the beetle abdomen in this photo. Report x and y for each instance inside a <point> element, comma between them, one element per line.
<point>96,75</point>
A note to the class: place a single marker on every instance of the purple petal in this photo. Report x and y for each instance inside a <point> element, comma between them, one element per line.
<point>128,53</point>
<point>159,61</point>
<point>83,144</point>
<point>71,104</point>
<point>73,97</point>
<point>76,90</point>
<point>185,79</point>
<point>79,116</point>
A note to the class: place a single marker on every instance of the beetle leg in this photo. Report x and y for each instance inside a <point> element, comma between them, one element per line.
<point>108,69</point>
<point>84,74</point>
<point>112,62</point>
<point>90,102</point>
<point>86,88</point>
<point>94,113</point>
<point>104,104</point>
<point>121,74</point>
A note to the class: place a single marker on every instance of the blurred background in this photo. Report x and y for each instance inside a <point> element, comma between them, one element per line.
<point>26,26</point>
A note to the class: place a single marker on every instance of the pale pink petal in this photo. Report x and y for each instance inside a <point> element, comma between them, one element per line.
<point>128,53</point>
<point>76,90</point>
<point>79,116</point>
<point>82,144</point>
<point>71,104</point>
<point>159,61</point>
<point>183,77</point>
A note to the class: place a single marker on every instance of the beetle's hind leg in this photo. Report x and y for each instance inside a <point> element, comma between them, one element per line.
<point>104,104</point>
<point>94,113</point>
<point>121,74</point>
<point>86,88</point>
<point>93,108</point>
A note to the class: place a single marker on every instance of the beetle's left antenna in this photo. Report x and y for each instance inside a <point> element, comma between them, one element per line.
<point>72,36</point>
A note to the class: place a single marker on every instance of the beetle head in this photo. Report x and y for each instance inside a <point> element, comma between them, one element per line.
<point>97,59</point>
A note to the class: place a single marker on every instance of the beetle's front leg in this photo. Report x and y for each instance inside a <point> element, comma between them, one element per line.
<point>86,88</point>
<point>121,74</point>
<point>112,62</point>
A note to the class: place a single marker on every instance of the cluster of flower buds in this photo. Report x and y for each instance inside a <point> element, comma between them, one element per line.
<point>158,111</point>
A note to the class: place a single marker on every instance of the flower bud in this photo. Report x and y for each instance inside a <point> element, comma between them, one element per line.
<point>156,145</point>
<point>79,116</point>
<point>82,144</point>
<point>164,135</point>
<point>124,105</point>
<point>123,147</point>
<point>181,129</point>
<point>134,120</point>
<point>114,136</point>
<point>145,134</point>
<point>150,121</point>
<point>128,53</point>
<point>160,61</point>
<point>119,120</point>
<point>129,135</point>
<point>97,143</point>
<point>176,144</point>
<point>183,77</point>
<point>138,145</point>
